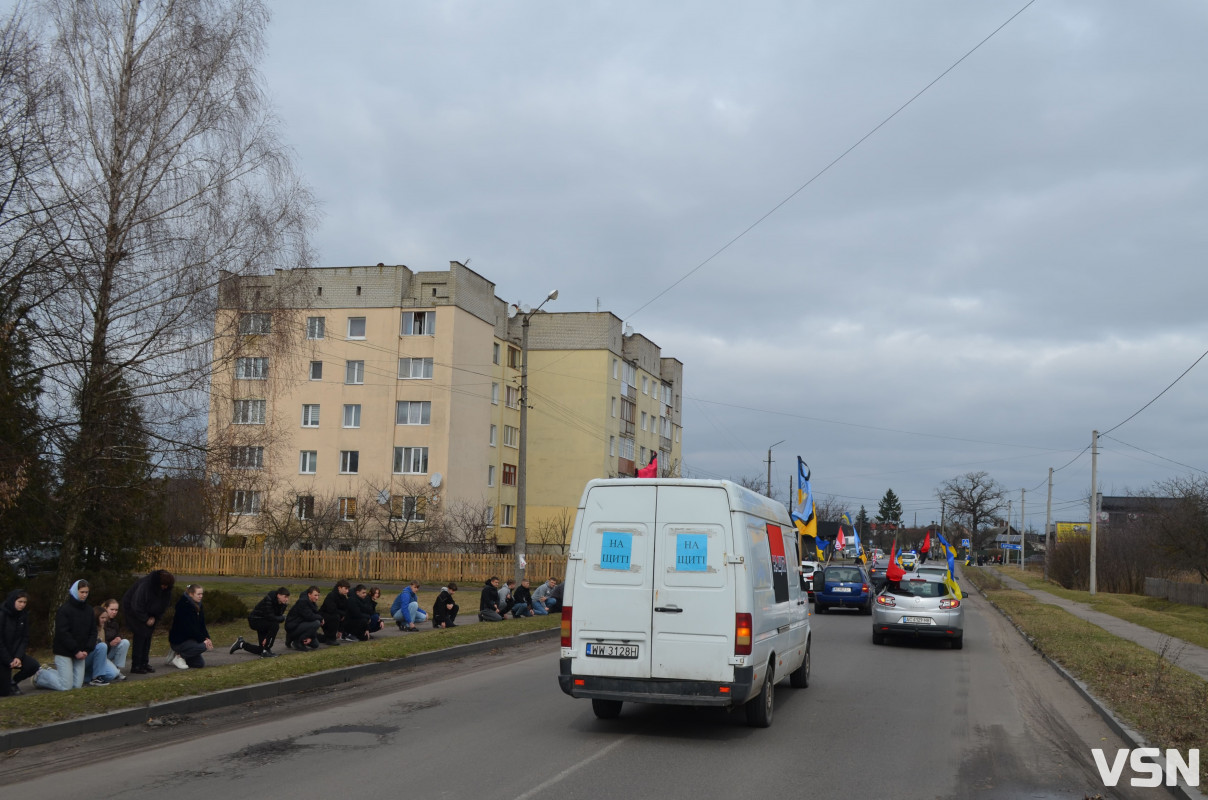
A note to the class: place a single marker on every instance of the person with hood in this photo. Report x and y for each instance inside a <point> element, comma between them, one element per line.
<point>145,603</point>
<point>14,638</point>
<point>75,637</point>
<point>265,620</point>
<point>488,601</point>
<point>444,610</point>
<point>405,608</point>
<point>356,622</point>
<point>189,636</point>
<point>334,610</point>
<point>303,621</point>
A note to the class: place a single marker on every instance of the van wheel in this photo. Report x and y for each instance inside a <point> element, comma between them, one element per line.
<point>759,707</point>
<point>878,637</point>
<point>606,709</point>
<point>800,677</point>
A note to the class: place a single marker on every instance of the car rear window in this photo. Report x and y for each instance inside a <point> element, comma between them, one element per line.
<point>920,589</point>
<point>843,575</point>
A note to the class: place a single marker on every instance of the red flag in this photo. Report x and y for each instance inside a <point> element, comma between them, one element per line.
<point>651,470</point>
<point>926,548</point>
<point>839,541</point>
<point>894,571</point>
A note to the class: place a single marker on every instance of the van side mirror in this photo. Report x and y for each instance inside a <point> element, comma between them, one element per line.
<point>819,581</point>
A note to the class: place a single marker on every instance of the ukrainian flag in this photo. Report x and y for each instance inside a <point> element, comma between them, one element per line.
<point>855,537</point>
<point>803,515</point>
<point>950,554</point>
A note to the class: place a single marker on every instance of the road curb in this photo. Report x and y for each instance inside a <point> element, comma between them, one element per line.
<point>99,723</point>
<point>1115,723</point>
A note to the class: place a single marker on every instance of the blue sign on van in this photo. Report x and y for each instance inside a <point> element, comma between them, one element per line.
<point>691,552</point>
<point>616,550</point>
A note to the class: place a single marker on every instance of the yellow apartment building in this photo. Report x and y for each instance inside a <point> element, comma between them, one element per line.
<point>379,408</point>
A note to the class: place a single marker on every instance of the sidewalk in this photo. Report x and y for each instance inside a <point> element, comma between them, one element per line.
<point>1190,657</point>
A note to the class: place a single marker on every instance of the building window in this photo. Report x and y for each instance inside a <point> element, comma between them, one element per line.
<point>255,324</point>
<point>354,373</point>
<point>666,395</point>
<point>352,415</point>
<point>305,506</point>
<point>356,327</point>
<point>645,386</point>
<point>627,448</point>
<point>490,515</point>
<point>308,462</point>
<point>316,327</point>
<point>407,507</point>
<point>614,406</point>
<point>247,457</point>
<point>627,411</point>
<point>245,502</point>
<point>419,323</point>
<point>410,460</point>
<point>348,509</point>
<point>511,436</point>
<point>509,474</point>
<point>350,461</point>
<point>614,369</point>
<point>310,415</point>
<point>414,368</point>
<point>316,370</point>
<point>509,516</point>
<point>251,369</point>
<point>248,412</point>
<point>514,357</point>
<point>494,434</point>
<point>413,412</point>
<point>494,394</point>
<point>495,353</point>
<point>490,474</point>
<point>642,455</point>
<point>513,397</point>
<point>612,446</point>
<point>643,420</point>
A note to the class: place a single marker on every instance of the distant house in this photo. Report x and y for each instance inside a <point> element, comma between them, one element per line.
<point>1122,510</point>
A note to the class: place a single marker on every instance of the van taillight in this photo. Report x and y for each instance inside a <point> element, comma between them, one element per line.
<point>742,634</point>
<point>566,626</point>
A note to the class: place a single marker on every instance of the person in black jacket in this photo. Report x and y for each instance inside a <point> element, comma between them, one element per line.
<point>144,603</point>
<point>302,622</point>
<point>356,622</point>
<point>488,601</point>
<point>14,638</point>
<point>444,610</point>
<point>265,620</point>
<point>75,636</point>
<point>375,619</point>
<point>522,600</point>
<point>334,610</point>
<point>189,636</point>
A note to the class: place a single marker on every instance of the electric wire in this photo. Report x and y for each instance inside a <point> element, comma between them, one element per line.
<point>1159,394</point>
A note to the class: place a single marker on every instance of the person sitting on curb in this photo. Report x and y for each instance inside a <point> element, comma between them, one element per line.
<point>405,608</point>
<point>488,601</point>
<point>522,600</point>
<point>14,638</point>
<point>265,620</point>
<point>98,669</point>
<point>189,636</point>
<point>145,603</point>
<point>116,647</point>
<point>444,610</point>
<point>75,636</point>
<point>334,610</point>
<point>505,596</point>
<point>544,597</point>
<point>303,621</point>
<point>356,622</point>
<point>556,596</point>
<point>375,618</point>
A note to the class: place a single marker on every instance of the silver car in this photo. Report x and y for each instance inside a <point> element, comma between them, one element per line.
<point>918,606</point>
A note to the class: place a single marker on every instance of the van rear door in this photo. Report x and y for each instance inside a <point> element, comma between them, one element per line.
<point>693,605</point>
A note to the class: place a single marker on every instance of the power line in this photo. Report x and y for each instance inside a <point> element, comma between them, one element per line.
<point>1159,394</point>
<point>1155,455</point>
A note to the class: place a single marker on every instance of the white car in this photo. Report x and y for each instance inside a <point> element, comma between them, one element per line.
<point>807,576</point>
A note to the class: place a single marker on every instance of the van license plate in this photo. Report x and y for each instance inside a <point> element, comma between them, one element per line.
<point>612,650</point>
<point>843,589</point>
<point>918,620</point>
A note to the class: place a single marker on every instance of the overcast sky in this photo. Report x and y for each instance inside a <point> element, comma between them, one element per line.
<point>1013,260</point>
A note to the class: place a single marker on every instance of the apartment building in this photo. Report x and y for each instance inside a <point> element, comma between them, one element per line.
<point>379,407</point>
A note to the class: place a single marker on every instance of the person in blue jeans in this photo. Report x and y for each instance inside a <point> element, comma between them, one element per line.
<point>522,602</point>
<point>98,669</point>
<point>544,600</point>
<point>405,608</point>
<point>75,638</point>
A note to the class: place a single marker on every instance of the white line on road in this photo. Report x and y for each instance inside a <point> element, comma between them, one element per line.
<point>573,768</point>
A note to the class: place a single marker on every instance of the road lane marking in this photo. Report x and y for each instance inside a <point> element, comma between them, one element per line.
<point>573,768</point>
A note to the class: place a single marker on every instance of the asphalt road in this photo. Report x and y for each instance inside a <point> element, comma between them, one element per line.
<point>901,721</point>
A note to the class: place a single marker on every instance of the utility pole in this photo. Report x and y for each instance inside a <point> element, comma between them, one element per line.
<point>1048,516</point>
<point>1006,559</point>
<point>1094,503</point>
<point>522,450</point>
<point>782,441</point>
<point>1023,522</point>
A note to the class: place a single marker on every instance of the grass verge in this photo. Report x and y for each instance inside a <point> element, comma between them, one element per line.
<point>1166,704</point>
<point>45,707</point>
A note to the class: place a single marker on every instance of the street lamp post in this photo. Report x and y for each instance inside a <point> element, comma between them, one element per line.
<point>522,455</point>
<point>782,441</point>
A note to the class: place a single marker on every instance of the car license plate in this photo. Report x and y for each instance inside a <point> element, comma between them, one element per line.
<point>612,650</point>
<point>843,589</point>
<point>918,621</point>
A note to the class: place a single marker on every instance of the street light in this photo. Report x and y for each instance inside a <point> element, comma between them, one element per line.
<point>522,456</point>
<point>782,441</point>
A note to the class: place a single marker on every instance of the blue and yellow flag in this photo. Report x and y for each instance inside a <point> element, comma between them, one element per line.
<point>950,554</point>
<point>855,537</point>
<point>803,515</point>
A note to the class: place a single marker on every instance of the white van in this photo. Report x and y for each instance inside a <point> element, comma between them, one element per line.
<point>684,592</point>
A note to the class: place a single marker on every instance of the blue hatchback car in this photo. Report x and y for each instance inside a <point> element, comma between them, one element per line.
<point>842,586</point>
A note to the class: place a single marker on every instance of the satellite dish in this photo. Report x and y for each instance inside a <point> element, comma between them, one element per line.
<point>512,311</point>
<point>383,497</point>
<point>525,308</point>
<point>435,480</point>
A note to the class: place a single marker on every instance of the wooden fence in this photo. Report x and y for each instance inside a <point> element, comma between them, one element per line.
<point>428,568</point>
<point>1188,594</point>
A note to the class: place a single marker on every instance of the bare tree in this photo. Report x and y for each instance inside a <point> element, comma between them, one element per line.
<point>405,512</point>
<point>972,500</point>
<point>553,533</point>
<point>172,177</point>
<point>828,508</point>
<point>469,527</point>
<point>1178,515</point>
